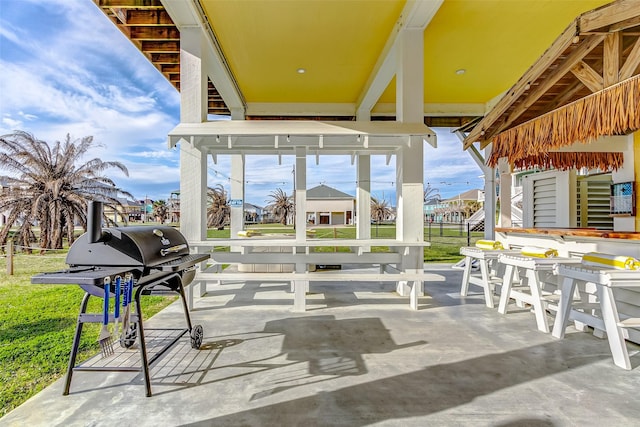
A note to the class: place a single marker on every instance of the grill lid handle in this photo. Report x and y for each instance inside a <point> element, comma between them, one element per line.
<point>172,249</point>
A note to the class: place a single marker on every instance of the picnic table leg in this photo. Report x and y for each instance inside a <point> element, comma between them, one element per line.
<point>614,332</point>
<point>415,292</point>
<point>538,307</point>
<point>299,295</point>
<point>464,289</point>
<point>564,307</point>
<point>506,289</point>
<point>486,284</point>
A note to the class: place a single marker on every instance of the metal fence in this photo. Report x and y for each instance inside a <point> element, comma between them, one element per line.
<point>454,233</point>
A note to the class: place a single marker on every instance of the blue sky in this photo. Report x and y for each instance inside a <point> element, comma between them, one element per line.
<point>66,69</point>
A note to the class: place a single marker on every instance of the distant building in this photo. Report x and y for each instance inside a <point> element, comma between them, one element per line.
<point>433,210</point>
<point>457,208</point>
<point>174,206</point>
<point>328,206</point>
<point>253,214</point>
<point>131,211</point>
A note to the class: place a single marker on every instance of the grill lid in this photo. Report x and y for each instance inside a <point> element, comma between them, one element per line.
<point>145,246</point>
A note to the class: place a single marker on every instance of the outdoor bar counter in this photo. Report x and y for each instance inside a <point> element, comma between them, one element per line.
<point>573,241</point>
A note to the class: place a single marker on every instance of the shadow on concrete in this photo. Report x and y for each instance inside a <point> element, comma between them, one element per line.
<point>427,391</point>
<point>327,347</point>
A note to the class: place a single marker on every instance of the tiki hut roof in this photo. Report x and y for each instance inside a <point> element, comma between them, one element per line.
<point>586,85</point>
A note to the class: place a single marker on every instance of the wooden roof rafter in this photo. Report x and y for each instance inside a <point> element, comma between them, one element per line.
<point>600,48</point>
<point>149,27</point>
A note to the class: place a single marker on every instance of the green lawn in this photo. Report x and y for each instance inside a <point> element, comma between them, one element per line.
<point>37,327</point>
<point>445,248</point>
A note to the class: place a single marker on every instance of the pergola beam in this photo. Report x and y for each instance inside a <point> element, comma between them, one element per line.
<point>524,84</point>
<point>534,95</point>
<point>612,15</point>
<point>632,63</point>
<point>416,14</point>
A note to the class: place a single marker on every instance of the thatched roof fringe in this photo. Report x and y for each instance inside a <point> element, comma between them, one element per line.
<point>563,161</point>
<point>612,111</point>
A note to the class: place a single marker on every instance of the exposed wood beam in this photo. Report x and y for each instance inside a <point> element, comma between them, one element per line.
<point>188,13</point>
<point>138,4</point>
<point>146,17</point>
<point>170,68</point>
<point>588,76</point>
<point>608,15</point>
<point>154,33</point>
<point>611,58</point>
<point>586,46</point>
<point>532,74</point>
<point>165,58</point>
<point>632,63</point>
<point>565,97</point>
<point>160,46</point>
<point>628,23</point>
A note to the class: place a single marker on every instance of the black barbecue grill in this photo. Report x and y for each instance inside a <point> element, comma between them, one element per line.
<point>158,259</point>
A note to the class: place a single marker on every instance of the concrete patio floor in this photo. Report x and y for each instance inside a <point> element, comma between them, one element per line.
<point>358,356</point>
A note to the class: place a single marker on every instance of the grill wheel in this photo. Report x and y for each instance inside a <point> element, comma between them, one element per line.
<point>196,337</point>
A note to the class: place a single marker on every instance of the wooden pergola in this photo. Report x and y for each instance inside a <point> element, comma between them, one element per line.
<point>587,84</point>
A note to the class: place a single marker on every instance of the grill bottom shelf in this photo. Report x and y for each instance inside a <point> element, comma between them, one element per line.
<point>149,348</point>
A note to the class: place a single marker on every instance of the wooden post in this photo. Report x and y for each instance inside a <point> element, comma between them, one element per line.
<point>10,257</point>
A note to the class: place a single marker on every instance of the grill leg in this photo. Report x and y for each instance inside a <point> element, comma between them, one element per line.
<point>180,291</point>
<point>143,345</point>
<point>76,344</point>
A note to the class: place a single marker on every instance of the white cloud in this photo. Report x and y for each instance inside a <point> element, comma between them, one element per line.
<point>11,124</point>
<point>166,154</point>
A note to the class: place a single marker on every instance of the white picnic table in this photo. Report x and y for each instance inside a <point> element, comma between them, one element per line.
<point>246,251</point>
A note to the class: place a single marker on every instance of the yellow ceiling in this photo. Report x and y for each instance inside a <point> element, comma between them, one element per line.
<point>339,41</point>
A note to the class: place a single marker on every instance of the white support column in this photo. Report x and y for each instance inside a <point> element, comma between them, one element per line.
<point>410,158</point>
<point>301,194</point>
<point>193,78</point>
<point>363,197</point>
<point>193,197</point>
<point>489,173</point>
<point>301,287</point>
<point>489,198</point>
<point>504,169</point>
<point>237,193</point>
<point>193,162</point>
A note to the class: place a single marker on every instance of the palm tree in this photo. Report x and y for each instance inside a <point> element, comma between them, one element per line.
<point>218,211</point>
<point>380,210</point>
<point>471,207</point>
<point>49,187</point>
<point>431,194</point>
<point>281,206</point>
<point>160,210</point>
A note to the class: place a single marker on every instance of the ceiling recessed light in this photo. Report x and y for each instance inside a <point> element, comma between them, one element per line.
<point>301,70</point>
<point>461,71</point>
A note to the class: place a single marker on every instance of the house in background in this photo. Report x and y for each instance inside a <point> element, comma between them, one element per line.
<point>433,210</point>
<point>174,206</point>
<point>328,206</point>
<point>460,207</point>
<point>253,214</point>
<point>131,211</point>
